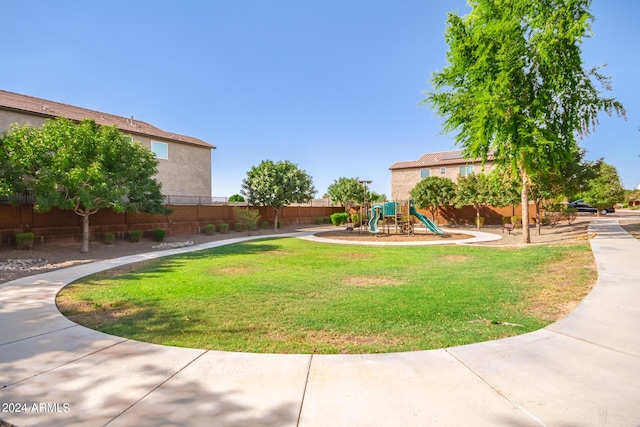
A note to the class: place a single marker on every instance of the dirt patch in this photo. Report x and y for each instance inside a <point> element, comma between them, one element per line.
<point>562,286</point>
<point>371,281</point>
<point>339,340</point>
<point>93,315</point>
<point>356,255</point>
<point>455,258</point>
<point>632,227</point>
<point>231,271</point>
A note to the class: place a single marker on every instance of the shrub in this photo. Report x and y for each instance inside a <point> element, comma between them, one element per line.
<point>326,220</point>
<point>355,218</point>
<point>109,238</point>
<point>238,226</point>
<point>247,218</point>
<point>516,220</point>
<point>339,218</point>
<point>506,220</point>
<point>224,228</point>
<point>135,236</point>
<point>319,220</point>
<point>159,234</point>
<point>25,240</point>
<point>210,229</point>
<point>545,220</point>
<point>570,214</point>
<point>554,212</point>
<point>479,219</point>
<point>265,225</point>
<point>279,224</point>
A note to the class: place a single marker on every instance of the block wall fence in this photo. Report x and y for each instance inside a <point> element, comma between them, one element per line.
<point>60,224</point>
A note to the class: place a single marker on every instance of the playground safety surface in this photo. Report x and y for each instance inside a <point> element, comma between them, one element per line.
<point>418,235</point>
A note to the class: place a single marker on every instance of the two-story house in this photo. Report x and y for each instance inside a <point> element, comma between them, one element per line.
<point>184,162</point>
<point>447,164</point>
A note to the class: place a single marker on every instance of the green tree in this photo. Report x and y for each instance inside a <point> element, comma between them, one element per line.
<point>374,197</point>
<point>515,85</point>
<point>82,166</point>
<point>346,191</point>
<point>548,185</point>
<point>475,190</point>
<point>432,192</point>
<point>277,185</point>
<point>236,198</point>
<point>605,189</point>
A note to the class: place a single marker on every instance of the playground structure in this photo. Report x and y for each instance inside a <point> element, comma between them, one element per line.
<point>399,214</point>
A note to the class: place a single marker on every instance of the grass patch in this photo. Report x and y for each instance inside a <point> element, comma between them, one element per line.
<point>292,296</point>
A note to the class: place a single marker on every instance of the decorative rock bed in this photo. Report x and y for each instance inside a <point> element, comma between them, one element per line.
<point>23,264</point>
<point>173,245</point>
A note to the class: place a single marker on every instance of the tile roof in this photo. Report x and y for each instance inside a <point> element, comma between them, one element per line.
<point>441,158</point>
<point>51,109</point>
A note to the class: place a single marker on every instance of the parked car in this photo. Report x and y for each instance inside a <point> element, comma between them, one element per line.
<point>581,206</point>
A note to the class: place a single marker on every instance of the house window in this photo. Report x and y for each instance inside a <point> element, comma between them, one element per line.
<point>424,173</point>
<point>443,171</point>
<point>160,149</point>
<point>466,170</point>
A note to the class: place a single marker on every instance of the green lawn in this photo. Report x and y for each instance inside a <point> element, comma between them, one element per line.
<point>292,296</point>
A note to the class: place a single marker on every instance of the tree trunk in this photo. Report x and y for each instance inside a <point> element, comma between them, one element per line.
<point>538,219</point>
<point>524,200</point>
<point>478,218</point>
<point>275,221</point>
<point>85,233</point>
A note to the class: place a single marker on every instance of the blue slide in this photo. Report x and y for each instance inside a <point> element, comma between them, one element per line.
<point>426,221</point>
<point>376,215</point>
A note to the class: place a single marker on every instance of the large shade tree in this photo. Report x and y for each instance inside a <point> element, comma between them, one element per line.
<point>515,85</point>
<point>277,185</point>
<point>80,166</point>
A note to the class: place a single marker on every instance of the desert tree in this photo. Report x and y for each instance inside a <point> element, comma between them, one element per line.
<point>277,185</point>
<point>83,167</point>
<point>349,192</point>
<point>515,85</point>
<point>433,192</point>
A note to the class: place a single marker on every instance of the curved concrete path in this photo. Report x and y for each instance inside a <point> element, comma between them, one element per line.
<point>581,371</point>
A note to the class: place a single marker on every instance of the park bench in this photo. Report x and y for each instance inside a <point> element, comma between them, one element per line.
<point>349,228</point>
<point>508,227</point>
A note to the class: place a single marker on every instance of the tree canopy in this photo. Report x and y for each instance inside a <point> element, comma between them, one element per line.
<point>80,166</point>
<point>277,185</point>
<point>475,190</point>
<point>605,189</point>
<point>348,192</point>
<point>432,192</point>
<point>515,85</point>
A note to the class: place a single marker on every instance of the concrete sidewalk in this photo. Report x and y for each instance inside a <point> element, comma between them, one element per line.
<point>581,371</point>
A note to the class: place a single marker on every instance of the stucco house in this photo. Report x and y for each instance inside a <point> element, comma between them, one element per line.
<point>447,164</point>
<point>184,162</point>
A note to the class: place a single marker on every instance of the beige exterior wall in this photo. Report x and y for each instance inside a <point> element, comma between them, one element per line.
<point>187,171</point>
<point>9,117</point>
<point>404,180</point>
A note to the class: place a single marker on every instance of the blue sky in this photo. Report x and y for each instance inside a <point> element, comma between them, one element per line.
<point>331,85</point>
